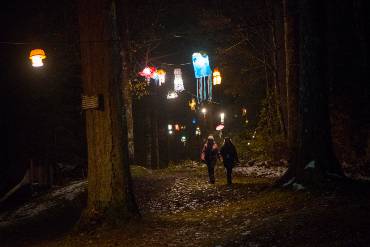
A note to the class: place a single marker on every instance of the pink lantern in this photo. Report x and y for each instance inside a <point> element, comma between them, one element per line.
<point>220,127</point>
<point>148,72</point>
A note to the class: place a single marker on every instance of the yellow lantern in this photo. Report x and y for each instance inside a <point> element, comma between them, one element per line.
<point>192,104</point>
<point>161,76</point>
<point>36,56</point>
<point>216,77</point>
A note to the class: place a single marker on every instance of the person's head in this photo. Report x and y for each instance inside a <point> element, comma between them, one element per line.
<point>227,140</point>
<point>210,139</point>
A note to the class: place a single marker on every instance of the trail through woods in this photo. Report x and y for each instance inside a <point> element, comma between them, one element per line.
<point>179,208</point>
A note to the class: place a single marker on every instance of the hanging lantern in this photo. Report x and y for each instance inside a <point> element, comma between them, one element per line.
<point>216,77</point>
<point>222,117</point>
<point>203,73</point>
<point>172,95</point>
<point>148,72</point>
<point>178,82</point>
<point>36,56</point>
<point>220,127</point>
<point>192,104</point>
<point>177,127</point>
<point>161,75</point>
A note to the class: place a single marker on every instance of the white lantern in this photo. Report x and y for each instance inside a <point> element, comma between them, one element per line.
<point>178,82</point>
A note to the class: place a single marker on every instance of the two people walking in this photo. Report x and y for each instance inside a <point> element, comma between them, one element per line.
<point>211,153</point>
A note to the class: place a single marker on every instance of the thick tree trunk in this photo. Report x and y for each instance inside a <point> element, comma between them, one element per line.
<point>109,191</point>
<point>315,156</point>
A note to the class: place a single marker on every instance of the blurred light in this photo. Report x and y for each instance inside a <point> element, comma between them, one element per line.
<point>170,127</point>
<point>249,143</point>
<point>192,104</point>
<point>222,116</point>
<point>197,131</point>
<point>194,121</point>
<point>204,110</point>
<point>170,132</point>
<point>36,56</point>
<point>177,127</point>
<point>172,95</point>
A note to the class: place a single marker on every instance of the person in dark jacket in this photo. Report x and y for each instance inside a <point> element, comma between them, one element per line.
<point>229,158</point>
<point>209,155</point>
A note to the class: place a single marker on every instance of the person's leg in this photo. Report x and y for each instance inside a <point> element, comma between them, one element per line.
<point>211,172</point>
<point>229,170</point>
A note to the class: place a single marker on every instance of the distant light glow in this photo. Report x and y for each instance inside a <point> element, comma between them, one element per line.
<point>170,127</point>
<point>172,95</point>
<point>183,139</point>
<point>194,121</point>
<point>170,132</point>
<point>197,131</point>
<point>149,72</point>
<point>177,127</point>
<point>204,110</point>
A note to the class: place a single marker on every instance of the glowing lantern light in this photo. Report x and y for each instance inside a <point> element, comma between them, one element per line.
<point>177,127</point>
<point>204,111</point>
<point>203,74</point>
<point>194,121</point>
<point>216,77</point>
<point>172,95</point>
<point>192,104</point>
<point>161,76</point>
<point>149,72</point>
<point>220,127</point>
<point>178,82</point>
<point>170,127</point>
<point>36,56</point>
<point>170,132</point>
<point>197,131</point>
<point>183,140</point>
<point>222,116</point>
<point>244,112</point>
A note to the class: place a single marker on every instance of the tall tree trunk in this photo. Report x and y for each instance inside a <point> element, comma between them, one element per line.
<point>315,158</point>
<point>109,190</point>
<point>291,46</point>
<point>126,56</point>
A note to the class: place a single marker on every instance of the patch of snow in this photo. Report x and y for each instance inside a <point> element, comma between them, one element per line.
<point>298,187</point>
<point>310,165</point>
<point>289,182</point>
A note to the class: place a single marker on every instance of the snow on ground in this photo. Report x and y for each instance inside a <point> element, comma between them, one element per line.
<point>260,170</point>
<point>44,203</point>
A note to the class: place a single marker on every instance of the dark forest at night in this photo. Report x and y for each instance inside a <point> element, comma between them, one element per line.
<point>185,123</point>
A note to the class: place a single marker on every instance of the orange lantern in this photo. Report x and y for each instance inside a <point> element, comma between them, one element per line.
<point>36,56</point>
<point>216,77</point>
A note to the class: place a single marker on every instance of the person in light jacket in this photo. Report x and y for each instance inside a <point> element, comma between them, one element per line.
<point>209,155</point>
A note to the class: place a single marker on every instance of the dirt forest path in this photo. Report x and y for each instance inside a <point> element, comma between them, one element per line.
<point>179,208</point>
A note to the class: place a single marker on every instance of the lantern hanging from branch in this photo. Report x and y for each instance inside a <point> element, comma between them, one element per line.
<point>148,73</point>
<point>161,76</point>
<point>192,104</point>
<point>203,75</point>
<point>36,56</point>
<point>178,82</point>
<point>216,77</point>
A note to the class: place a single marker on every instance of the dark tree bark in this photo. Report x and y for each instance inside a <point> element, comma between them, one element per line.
<point>315,156</point>
<point>109,190</point>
